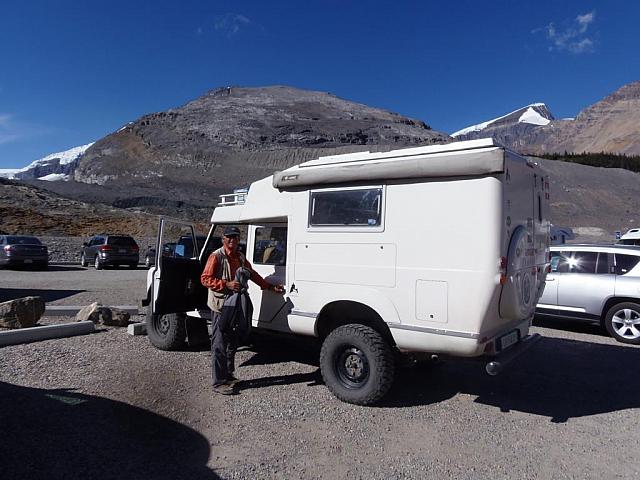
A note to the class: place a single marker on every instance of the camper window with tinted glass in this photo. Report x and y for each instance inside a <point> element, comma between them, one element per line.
<point>360,207</point>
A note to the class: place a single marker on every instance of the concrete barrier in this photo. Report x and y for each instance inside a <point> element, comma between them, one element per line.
<point>35,334</point>
<point>72,310</point>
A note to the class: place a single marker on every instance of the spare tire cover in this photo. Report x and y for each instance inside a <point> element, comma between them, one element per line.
<point>517,299</point>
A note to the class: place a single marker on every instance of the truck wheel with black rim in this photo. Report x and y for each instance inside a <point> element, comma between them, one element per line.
<point>166,332</point>
<point>622,321</point>
<point>357,364</point>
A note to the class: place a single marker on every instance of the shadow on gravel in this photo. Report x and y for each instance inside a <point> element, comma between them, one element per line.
<point>267,352</point>
<point>570,325</point>
<point>59,434</point>
<point>48,295</point>
<point>304,351</point>
<point>558,378</point>
<point>63,268</point>
<point>312,379</point>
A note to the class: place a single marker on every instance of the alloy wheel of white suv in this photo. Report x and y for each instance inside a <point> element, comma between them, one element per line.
<point>623,322</point>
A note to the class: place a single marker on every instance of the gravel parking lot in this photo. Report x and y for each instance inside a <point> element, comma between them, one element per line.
<point>108,405</point>
<point>76,285</point>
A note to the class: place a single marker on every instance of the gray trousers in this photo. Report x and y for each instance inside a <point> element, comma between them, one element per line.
<point>223,352</point>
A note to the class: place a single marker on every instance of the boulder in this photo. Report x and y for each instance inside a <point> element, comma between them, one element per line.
<point>90,312</point>
<point>99,314</point>
<point>21,313</point>
<point>118,318</point>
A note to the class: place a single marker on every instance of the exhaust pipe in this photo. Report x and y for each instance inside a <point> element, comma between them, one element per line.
<point>494,367</point>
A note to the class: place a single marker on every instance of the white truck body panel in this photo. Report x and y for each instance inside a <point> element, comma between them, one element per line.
<point>437,289</point>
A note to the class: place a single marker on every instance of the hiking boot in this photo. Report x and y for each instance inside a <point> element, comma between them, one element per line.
<point>224,389</point>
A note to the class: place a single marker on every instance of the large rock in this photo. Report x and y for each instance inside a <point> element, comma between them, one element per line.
<point>90,312</point>
<point>21,313</point>
<point>100,314</point>
<point>117,318</point>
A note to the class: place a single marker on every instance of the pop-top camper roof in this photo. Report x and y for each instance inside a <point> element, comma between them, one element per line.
<point>470,158</point>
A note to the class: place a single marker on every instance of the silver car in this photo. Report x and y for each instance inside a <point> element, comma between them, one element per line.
<point>599,283</point>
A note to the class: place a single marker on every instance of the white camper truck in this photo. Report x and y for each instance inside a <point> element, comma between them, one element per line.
<point>370,252</point>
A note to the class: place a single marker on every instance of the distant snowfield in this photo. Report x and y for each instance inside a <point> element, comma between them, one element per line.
<point>64,158</point>
<point>55,177</point>
<point>529,116</point>
<point>8,172</point>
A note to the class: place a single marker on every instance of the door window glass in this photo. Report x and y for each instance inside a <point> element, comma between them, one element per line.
<point>561,261</point>
<point>555,261</point>
<point>357,207</point>
<point>583,262</point>
<point>270,246</point>
<point>625,263</point>
<point>605,262</point>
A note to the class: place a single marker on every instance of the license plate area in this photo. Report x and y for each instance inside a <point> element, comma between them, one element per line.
<point>508,339</point>
<point>28,260</point>
<point>122,250</point>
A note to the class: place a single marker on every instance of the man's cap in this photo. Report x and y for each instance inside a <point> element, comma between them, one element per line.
<point>231,231</point>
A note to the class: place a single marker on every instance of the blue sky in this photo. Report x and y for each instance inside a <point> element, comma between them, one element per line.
<point>71,72</point>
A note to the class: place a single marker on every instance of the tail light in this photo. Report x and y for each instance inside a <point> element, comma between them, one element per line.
<point>105,248</point>
<point>135,248</point>
<point>503,270</point>
<point>8,248</point>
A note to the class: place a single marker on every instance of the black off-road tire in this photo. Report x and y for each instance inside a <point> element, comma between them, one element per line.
<point>357,364</point>
<point>622,321</point>
<point>97,264</point>
<point>166,332</point>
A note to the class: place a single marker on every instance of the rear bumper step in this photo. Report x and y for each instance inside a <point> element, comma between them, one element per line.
<point>495,366</point>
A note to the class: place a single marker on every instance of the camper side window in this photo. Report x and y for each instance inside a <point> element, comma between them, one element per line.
<point>270,246</point>
<point>355,207</point>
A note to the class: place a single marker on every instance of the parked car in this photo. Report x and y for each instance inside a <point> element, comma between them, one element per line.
<point>598,283</point>
<point>632,237</point>
<point>103,250</point>
<point>23,250</point>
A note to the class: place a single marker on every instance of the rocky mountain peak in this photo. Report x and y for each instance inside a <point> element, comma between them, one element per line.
<point>532,114</point>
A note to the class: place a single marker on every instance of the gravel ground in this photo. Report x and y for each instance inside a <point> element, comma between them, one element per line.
<point>108,405</point>
<point>75,285</point>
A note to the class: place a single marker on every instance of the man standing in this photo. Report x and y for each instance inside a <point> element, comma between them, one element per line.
<point>219,276</point>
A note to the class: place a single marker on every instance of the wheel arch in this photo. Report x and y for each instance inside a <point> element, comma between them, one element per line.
<point>344,312</point>
<point>613,301</point>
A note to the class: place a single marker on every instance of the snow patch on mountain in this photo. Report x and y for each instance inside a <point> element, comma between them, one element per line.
<point>530,114</point>
<point>65,157</point>
<point>58,163</point>
<point>55,177</point>
<point>8,172</point>
<point>533,117</point>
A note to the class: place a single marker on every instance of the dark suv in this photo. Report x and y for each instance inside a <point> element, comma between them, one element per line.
<point>114,250</point>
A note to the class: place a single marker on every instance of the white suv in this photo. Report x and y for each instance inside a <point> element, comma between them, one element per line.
<point>600,283</point>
